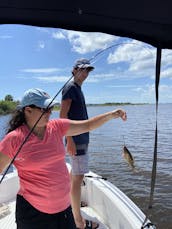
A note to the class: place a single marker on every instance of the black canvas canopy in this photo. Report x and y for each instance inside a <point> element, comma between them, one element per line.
<point>148,20</point>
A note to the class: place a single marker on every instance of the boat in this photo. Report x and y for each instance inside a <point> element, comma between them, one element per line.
<point>105,204</point>
<point>148,21</point>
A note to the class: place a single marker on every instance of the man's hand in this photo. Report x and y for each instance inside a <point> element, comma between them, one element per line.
<point>71,147</point>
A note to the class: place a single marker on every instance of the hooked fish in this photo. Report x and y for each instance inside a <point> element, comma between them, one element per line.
<point>129,158</point>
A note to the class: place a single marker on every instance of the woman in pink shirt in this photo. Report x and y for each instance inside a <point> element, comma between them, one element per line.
<point>43,200</point>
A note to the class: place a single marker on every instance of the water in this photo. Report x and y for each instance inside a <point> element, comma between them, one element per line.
<point>138,133</point>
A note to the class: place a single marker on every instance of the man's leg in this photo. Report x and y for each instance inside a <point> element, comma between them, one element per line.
<point>79,165</point>
<point>76,181</point>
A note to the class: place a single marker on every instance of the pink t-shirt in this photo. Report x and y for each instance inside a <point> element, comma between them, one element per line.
<point>44,177</point>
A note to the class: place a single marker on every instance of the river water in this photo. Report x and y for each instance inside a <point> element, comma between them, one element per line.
<point>138,132</point>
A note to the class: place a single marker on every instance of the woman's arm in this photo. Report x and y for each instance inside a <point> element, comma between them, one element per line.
<point>79,127</point>
<point>4,162</point>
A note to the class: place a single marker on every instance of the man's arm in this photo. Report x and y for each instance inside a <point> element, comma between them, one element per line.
<point>64,109</point>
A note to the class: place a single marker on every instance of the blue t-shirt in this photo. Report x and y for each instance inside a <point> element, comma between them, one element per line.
<point>78,110</point>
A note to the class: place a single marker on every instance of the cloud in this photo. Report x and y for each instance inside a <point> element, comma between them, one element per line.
<point>6,37</point>
<point>131,51</point>
<point>41,44</point>
<point>83,42</point>
<point>52,79</point>
<point>100,77</point>
<point>139,60</point>
<point>136,58</point>
<point>147,92</point>
<point>121,86</point>
<point>166,88</point>
<point>40,70</point>
<point>166,57</point>
<point>167,73</point>
<point>44,74</point>
<point>58,35</point>
<point>43,29</point>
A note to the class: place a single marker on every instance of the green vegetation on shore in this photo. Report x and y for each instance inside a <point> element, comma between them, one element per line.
<point>8,105</point>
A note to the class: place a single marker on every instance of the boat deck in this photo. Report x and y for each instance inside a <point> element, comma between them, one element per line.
<point>89,213</point>
<point>106,204</point>
<point>7,216</point>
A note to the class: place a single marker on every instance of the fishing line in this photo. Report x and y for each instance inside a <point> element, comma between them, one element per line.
<point>32,129</point>
<point>102,51</point>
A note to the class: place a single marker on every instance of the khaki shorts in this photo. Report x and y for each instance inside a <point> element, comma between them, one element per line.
<point>79,163</point>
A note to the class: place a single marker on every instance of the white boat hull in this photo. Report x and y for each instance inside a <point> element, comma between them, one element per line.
<point>106,204</point>
<point>114,208</point>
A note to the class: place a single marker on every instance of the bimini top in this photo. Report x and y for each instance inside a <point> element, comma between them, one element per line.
<point>149,21</point>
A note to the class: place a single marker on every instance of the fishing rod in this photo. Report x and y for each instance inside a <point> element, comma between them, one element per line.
<point>115,45</point>
<point>32,129</point>
<point>154,164</point>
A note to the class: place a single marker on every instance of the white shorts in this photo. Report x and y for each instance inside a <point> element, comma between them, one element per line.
<point>80,163</point>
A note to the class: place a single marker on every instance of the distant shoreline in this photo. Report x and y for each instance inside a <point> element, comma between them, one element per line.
<point>8,107</point>
<point>115,104</point>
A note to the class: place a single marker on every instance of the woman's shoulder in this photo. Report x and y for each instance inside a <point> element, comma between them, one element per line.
<point>14,137</point>
<point>19,131</point>
<point>59,125</point>
<point>59,121</point>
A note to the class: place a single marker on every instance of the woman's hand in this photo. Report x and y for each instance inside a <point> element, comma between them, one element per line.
<point>119,113</point>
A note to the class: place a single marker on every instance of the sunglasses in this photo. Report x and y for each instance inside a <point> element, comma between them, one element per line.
<point>43,110</point>
<point>84,69</point>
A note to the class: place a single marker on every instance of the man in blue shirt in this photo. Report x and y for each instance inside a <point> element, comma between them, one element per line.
<point>73,107</point>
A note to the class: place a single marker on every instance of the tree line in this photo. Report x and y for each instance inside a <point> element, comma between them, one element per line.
<point>8,105</point>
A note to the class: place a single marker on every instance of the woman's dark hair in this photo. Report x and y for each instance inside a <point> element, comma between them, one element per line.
<point>18,118</point>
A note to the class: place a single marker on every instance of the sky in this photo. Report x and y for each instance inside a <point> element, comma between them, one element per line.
<point>35,57</point>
